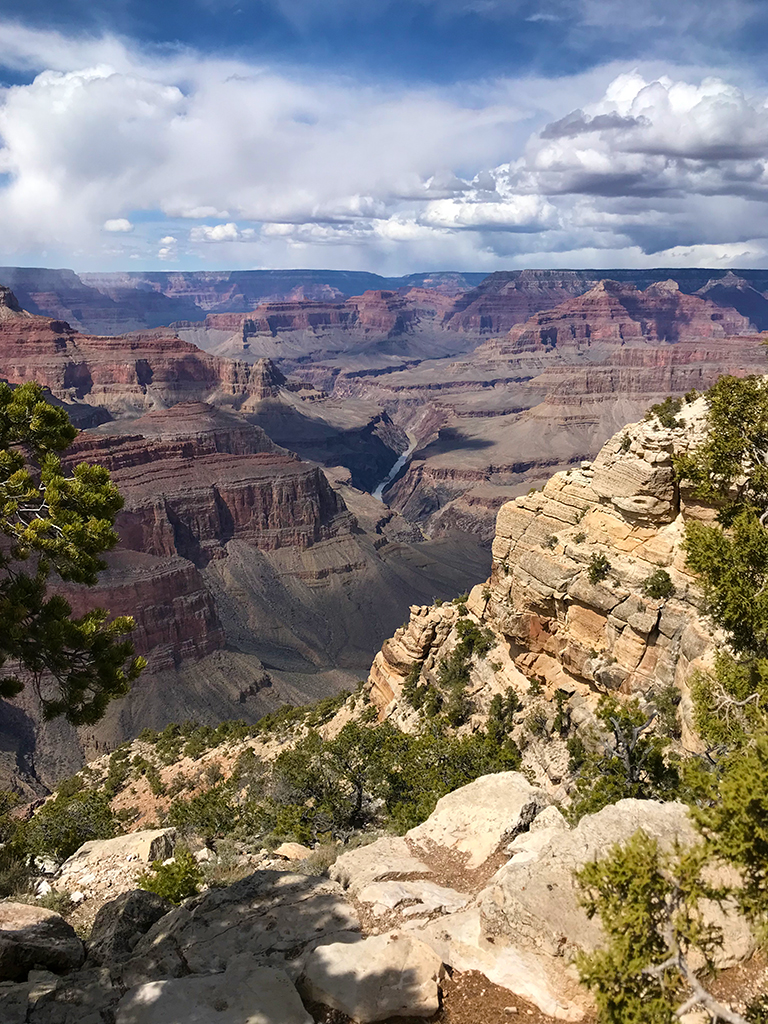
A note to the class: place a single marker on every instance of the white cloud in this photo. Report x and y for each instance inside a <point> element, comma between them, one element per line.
<point>215,233</point>
<point>118,224</point>
<point>281,171</point>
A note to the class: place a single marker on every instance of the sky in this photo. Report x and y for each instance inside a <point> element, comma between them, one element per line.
<point>393,136</point>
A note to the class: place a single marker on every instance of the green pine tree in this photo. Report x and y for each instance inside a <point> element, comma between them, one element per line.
<point>55,525</point>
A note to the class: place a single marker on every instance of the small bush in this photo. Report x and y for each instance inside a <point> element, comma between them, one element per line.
<point>658,584</point>
<point>175,881</point>
<point>598,569</point>
<point>626,443</point>
<point>321,858</point>
<point>14,873</point>
<point>63,824</point>
<point>536,722</point>
<point>551,542</point>
<point>666,412</point>
<point>118,772</point>
<point>58,902</point>
<point>667,701</point>
<point>580,537</point>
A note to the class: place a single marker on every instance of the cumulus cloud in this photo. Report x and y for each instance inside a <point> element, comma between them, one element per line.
<point>215,233</point>
<point>119,225</point>
<point>279,170</point>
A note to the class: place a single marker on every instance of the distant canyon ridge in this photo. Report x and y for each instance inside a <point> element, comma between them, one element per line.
<point>250,417</point>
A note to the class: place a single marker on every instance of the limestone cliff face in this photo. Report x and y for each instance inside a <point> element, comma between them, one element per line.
<point>553,625</point>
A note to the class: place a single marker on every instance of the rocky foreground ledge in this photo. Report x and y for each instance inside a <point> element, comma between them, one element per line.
<point>485,884</point>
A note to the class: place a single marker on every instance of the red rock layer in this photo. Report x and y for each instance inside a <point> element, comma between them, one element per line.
<point>380,312</point>
<point>620,314</point>
<point>174,613</point>
<point>186,497</point>
<point>132,372</point>
<point>502,301</point>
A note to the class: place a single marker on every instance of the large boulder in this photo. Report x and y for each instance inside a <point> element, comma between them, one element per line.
<point>275,915</point>
<point>246,993</point>
<point>121,923</point>
<point>32,937</point>
<point>394,975</point>
<point>476,819</point>
<point>146,846</point>
<point>461,942</point>
<point>533,901</point>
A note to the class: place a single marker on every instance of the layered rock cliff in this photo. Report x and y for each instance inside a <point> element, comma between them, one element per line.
<point>619,314</point>
<point>553,626</point>
<point>129,374</point>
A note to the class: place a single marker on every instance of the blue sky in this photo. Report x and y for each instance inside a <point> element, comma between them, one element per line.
<point>389,136</point>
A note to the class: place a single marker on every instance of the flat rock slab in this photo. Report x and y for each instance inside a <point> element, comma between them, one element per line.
<point>421,896</point>
<point>30,937</point>
<point>293,851</point>
<point>394,975</point>
<point>388,856</point>
<point>477,818</point>
<point>243,994</point>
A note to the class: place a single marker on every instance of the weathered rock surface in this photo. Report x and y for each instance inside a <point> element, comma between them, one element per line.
<point>392,855</point>
<point>476,819</point>
<point>31,937</point>
<point>383,976</point>
<point>276,916</point>
<point>120,924</point>
<point>245,993</point>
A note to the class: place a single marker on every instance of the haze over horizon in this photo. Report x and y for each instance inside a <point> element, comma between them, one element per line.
<point>470,135</point>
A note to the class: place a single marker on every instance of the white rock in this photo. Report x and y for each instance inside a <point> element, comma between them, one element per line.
<point>205,856</point>
<point>43,888</point>
<point>149,845</point>
<point>388,856</point>
<point>460,941</point>
<point>431,897</point>
<point>76,898</point>
<point>293,851</point>
<point>244,994</point>
<point>477,818</point>
<point>393,975</point>
<point>275,915</point>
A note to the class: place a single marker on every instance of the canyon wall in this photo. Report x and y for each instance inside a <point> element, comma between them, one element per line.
<point>553,626</point>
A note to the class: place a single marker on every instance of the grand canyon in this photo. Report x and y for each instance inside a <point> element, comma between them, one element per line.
<point>300,465</point>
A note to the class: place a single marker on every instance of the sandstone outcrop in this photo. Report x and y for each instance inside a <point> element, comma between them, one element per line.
<point>477,819</point>
<point>554,626</point>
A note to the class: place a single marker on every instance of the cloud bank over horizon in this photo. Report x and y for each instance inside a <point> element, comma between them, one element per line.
<point>120,154</point>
